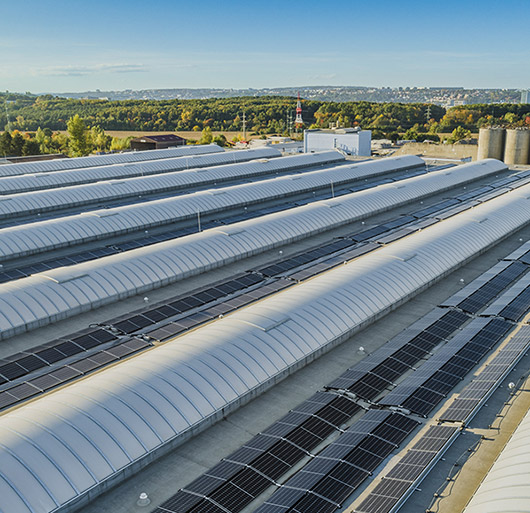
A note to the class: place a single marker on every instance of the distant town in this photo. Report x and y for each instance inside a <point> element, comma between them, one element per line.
<point>443,96</point>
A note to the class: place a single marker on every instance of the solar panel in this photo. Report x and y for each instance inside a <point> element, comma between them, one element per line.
<point>369,234</point>
<point>372,375</point>
<point>450,212</point>
<point>518,307</point>
<point>402,477</point>
<point>427,211</point>
<point>427,387</point>
<point>476,192</point>
<point>473,395</point>
<point>344,464</point>
<point>490,290</point>
<point>396,235</point>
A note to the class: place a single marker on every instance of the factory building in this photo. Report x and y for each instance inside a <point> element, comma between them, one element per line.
<point>351,141</point>
<point>157,142</point>
<point>267,333</point>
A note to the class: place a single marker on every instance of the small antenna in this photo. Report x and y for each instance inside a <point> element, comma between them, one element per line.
<point>299,122</point>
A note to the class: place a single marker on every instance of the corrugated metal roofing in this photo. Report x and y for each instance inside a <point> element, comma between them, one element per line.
<point>52,295</point>
<point>51,234</point>
<point>40,181</point>
<point>13,205</point>
<point>63,445</point>
<point>44,166</point>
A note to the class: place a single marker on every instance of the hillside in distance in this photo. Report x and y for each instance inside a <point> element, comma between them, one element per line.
<point>444,96</point>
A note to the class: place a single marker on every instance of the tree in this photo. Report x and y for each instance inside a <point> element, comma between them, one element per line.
<point>206,136</point>
<point>510,117</point>
<point>411,135</point>
<point>393,136</point>
<point>43,140</point>
<point>31,147</point>
<point>97,139</point>
<point>78,143</point>
<point>458,134</point>
<point>17,143</point>
<point>118,144</point>
<point>5,144</point>
<point>59,142</point>
<point>220,140</point>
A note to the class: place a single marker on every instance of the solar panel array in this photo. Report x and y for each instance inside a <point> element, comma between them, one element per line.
<point>85,256</point>
<point>71,230</point>
<point>397,485</point>
<point>126,190</point>
<point>483,290</point>
<point>379,370</point>
<point>81,348</point>
<point>473,395</point>
<point>307,489</point>
<point>367,240</point>
<point>243,475</point>
<point>522,253</point>
<point>338,470</point>
<point>229,491</point>
<point>401,480</point>
<point>45,166</point>
<point>213,248</point>
<point>52,180</point>
<point>48,354</point>
<point>369,386</point>
<point>328,479</point>
<point>514,302</point>
<point>432,381</point>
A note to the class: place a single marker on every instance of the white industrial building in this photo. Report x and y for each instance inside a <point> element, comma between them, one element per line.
<point>352,141</point>
<point>276,364</point>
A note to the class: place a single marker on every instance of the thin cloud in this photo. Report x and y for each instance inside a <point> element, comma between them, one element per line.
<point>79,71</point>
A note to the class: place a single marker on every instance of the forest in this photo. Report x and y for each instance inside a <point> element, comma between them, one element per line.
<point>37,117</point>
<point>264,115</point>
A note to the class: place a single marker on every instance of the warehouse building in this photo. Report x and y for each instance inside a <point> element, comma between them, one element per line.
<point>157,142</point>
<point>280,341</point>
<point>351,141</point>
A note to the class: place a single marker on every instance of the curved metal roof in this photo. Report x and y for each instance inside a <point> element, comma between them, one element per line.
<point>506,487</point>
<point>55,233</point>
<point>40,181</point>
<point>44,166</point>
<point>67,443</point>
<point>52,295</point>
<point>25,203</point>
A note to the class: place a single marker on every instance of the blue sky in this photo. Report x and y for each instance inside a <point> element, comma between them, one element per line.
<point>79,45</point>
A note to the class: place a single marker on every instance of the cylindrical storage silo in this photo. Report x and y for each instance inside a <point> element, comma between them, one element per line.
<point>491,143</point>
<point>517,147</point>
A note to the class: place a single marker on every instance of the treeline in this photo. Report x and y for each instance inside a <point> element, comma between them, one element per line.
<point>80,140</point>
<point>264,115</point>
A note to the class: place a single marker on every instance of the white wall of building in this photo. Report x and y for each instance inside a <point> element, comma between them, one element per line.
<point>349,141</point>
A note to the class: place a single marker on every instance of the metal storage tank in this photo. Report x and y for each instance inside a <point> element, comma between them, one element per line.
<point>517,147</point>
<point>491,143</point>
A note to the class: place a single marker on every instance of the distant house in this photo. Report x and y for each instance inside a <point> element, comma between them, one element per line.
<point>157,142</point>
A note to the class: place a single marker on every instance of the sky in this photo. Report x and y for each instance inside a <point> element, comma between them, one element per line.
<point>78,45</point>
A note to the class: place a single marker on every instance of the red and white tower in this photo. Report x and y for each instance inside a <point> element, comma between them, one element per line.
<point>299,122</point>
